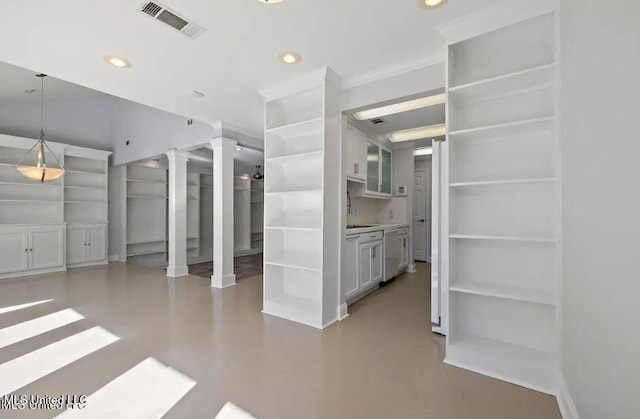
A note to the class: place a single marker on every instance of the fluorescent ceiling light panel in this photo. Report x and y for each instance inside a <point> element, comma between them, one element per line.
<point>431,131</point>
<point>423,151</point>
<point>395,108</point>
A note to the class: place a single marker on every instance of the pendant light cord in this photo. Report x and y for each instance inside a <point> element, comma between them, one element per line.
<point>42,107</point>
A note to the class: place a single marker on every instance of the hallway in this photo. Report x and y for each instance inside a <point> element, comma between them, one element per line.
<point>382,362</point>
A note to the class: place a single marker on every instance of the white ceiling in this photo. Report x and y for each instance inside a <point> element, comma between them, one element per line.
<point>234,58</point>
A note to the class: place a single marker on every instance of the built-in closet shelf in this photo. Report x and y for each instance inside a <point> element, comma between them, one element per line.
<point>146,252</point>
<point>505,129</point>
<point>504,85</point>
<point>516,364</point>
<point>506,292</point>
<point>206,186</point>
<point>306,155</point>
<point>155,182</point>
<point>286,264</point>
<point>301,191</point>
<point>146,197</point>
<point>503,238</point>
<point>83,172</point>
<point>146,242</point>
<point>296,129</point>
<point>502,182</point>
<point>85,202</point>
<point>292,228</point>
<point>31,184</point>
<point>30,201</point>
<point>84,187</point>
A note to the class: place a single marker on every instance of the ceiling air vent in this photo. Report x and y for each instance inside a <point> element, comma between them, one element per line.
<point>172,18</point>
<point>377,121</point>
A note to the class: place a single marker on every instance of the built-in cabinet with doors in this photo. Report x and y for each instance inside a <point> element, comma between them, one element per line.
<point>364,269</point>
<point>403,238</point>
<point>368,162</point>
<point>51,226</point>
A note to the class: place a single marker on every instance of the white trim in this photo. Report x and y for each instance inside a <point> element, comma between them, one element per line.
<point>87,264</point>
<point>308,81</point>
<point>411,268</point>
<point>33,272</point>
<point>391,71</point>
<point>343,311</point>
<point>113,258</point>
<point>224,282</point>
<point>493,18</point>
<point>565,402</point>
<point>330,322</point>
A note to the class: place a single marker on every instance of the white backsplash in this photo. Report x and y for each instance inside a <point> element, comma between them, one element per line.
<point>377,211</point>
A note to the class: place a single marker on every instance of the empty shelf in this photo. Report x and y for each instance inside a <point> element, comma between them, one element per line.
<point>505,291</point>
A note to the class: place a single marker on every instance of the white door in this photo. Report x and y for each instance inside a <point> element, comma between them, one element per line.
<point>97,243</point>
<point>419,216</point>
<point>377,262</point>
<point>436,263</point>
<point>14,252</point>
<point>351,269</point>
<point>365,262</point>
<point>76,245</point>
<point>46,248</point>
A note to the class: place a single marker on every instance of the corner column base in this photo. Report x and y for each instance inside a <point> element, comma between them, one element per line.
<point>223,281</point>
<point>177,271</point>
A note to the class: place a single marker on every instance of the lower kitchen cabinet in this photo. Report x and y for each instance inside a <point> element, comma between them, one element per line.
<point>86,244</point>
<point>403,238</point>
<point>29,250</point>
<point>364,264</point>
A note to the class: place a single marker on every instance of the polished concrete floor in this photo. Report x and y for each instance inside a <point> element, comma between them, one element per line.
<point>381,362</point>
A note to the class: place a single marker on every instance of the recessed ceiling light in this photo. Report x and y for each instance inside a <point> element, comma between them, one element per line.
<point>290,57</point>
<point>430,131</point>
<point>430,4</point>
<point>409,105</point>
<point>29,91</point>
<point>427,151</point>
<point>117,61</point>
<point>238,148</point>
<point>198,93</point>
<point>270,1</point>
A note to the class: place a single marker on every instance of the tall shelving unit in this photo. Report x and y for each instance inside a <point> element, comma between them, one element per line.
<point>257,215</point>
<point>302,200</point>
<point>146,220</point>
<point>502,275</point>
<point>193,215</point>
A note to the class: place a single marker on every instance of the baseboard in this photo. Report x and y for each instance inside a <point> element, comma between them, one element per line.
<point>411,268</point>
<point>565,402</point>
<point>177,271</point>
<point>223,282</point>
<point>114,258</point>
<point>32,273</point>
<point>343,311</point>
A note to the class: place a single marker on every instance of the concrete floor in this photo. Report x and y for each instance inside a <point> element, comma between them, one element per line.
<point>382,362</point>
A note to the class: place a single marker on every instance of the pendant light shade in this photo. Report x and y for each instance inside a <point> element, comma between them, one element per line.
<point>38,170</point>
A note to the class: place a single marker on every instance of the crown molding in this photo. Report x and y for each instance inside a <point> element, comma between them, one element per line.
<point>392,71</point>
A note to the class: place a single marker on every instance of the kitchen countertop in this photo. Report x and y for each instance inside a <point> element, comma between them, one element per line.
<point>377,227</point>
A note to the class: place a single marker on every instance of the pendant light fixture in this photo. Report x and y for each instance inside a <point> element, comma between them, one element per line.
<point>41,172</point>
<point>258,175</point>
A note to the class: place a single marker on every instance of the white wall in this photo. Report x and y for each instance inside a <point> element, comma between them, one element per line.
<point>600,151</point>
<point>403,166</point>
<point>85,122</point>
<point>152,132</point>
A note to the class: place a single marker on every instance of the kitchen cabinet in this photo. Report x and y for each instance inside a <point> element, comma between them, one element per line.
<point>403,239</point>
<point>86,244</point>
<point>356,161</point>
<point>27,250</point>
<point>379,170</point>
<point>364,264</point>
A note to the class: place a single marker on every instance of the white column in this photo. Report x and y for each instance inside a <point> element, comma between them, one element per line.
<point>223,151</point>
<point>177,214</point>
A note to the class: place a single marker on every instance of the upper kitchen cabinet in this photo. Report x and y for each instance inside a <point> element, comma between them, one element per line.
<point>356,161</point>
<point>378,170</point>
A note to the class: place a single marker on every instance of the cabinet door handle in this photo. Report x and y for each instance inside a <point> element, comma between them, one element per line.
<point>373,253</point>
<point>31,250</point>
<point>26,250</point>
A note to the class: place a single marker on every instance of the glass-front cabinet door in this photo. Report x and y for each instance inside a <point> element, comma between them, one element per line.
<point>373,167</point>
<point>386,172</point>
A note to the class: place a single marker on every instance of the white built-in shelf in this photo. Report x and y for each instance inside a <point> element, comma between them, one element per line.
<point>31,183</point>
<point>83,187</point>
<point>206,186</point>
<point>512,363</point>
<point>296,261</point>
<point>505,84</point>
<point>505,291</point>
<point>146,252</point>
<point>84,202</point>
<point>146,197</point>
<point>505,129</point>
<point>303,156</point>
<point>503,238</point>
<point>156,182</point>
<point>299,128</point>
<point>301,191</point>
<point>86,172</point>
<point>502,182</point>
<point>130,243</point>
<point>292,228</point>
<point>30,201</point>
